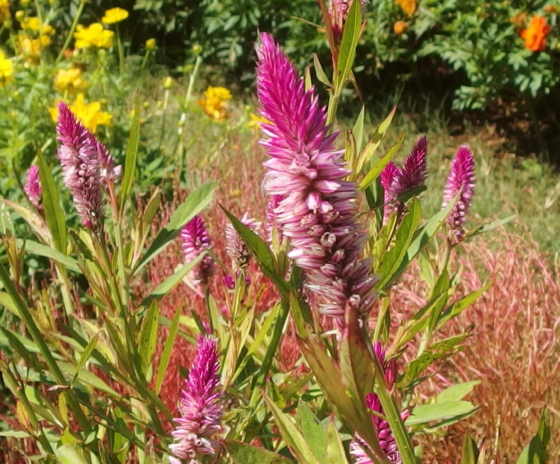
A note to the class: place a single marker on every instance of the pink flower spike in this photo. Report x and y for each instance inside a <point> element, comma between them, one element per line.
<point>415,169</point>
<point>318,207</point>
<point>461,179</point>
<point>201,406</point>
<point>32,187</point>
<point>78,156</point>
<point>195,241</point>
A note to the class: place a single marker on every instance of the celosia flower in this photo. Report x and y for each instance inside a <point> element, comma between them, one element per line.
<point>535,35</point>
<point>271,222</point>
<point>200,407</point>
<point>381,426</point>
<point>235,248</point>
<point>114,15</point>
<point>396,181</point>
<point>461,179</point>
<point>317,212</point>
<point>69,80</point>
<point>32,186</point>
<point>79,159</point>
<point>408,6</point>
<point>214,102</point>
<point>6,69</point>
<point>338,13</point>
<point>89,114</point>
<point>93,36</point>
<point>195,241</point>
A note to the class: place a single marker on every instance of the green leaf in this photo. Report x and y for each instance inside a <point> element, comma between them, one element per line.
<point>536,451</point>
<point>490,226</point>
<point>460,305</point>
<point>358,130</point>
<point>350,37</point>
<point>37,248</point>
<point>320,72</point>
<point>335,448</point>
<point>290,433</point>
<point>54,214</point>
<point>148,337</point>
<point>456,392</point>
<point>131,155</point>
<point>167,349</point>
<point>171,282</point>
<point>86,355</point>
<point>391,266</point>
<point>439,411</point>
<point>313,432</point>
<point>242,453</point>
<point>470,451</point>
<point>375,141</point>
<point>193,205</point>
<point>380,164</point>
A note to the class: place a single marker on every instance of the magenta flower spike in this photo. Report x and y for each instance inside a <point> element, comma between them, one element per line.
<point>32,187</point>
<point>78,156</point>
<point>235,248</point>
<point>201,407</point>
<point>195,241</point>
<point>461,179</point>
<point>386,439</point>
<point>317,210</point>
<point>397,181</point>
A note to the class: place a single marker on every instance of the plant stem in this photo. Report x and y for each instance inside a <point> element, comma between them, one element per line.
<point>71,31</point>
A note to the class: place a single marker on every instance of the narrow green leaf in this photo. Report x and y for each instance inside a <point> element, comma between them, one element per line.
<point>358,130</point>
<point>243,453</point>
<point>350,37</point>
<point>380,164</point>
<point>490,226</point>
<point>459,306</point>
<point>37,248</point>
<point>171,282</point>
<point>131,155</point>
<point>375,141</point>
<point>392,260</point>
<point>167,349</point>
<point>335,448</point>
<point>54,214</point>
<point>425,413</point>
<point>148,337</point>
<point>320,72</point>
<point>193,205</point>
<point>290,433</point>
<point>313,432</point>
<point>456,392</point>
<point>8,303</point>
<point>470,451</point>
<point>86,355</point>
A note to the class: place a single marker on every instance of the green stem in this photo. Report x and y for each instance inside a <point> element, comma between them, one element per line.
<point>393,416</point>
<point>71,31</point>
<point>121,51</point>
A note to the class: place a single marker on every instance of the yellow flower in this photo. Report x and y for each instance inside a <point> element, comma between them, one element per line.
<point>114,15</point>
<point>256,120</point>
<point>151,44</point>
<point>69,80</point>
<point>214,102</point>
<point>29,48</point>
<point>33,23</point>
<point>47,29</point>
<point>167,83</point>
<point>408,6</point>
<point>45,40</point>
<point>6,69</point>
<point>93,36</point>
<point>89,114</point>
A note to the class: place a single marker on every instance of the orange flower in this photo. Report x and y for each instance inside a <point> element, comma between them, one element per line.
<point>535,35</point>
<point>400,27</point>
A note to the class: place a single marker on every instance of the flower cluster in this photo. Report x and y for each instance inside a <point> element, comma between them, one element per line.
<point>317,210</point>
<point>89,114</point>
<point>94,35</point>
<point>200,408</point>
<point>461,179</point>
<point>195,241</point>
<point>32,186</point>
<point>214,102</point>
<point>535,35</point>
<point>397,181</point>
